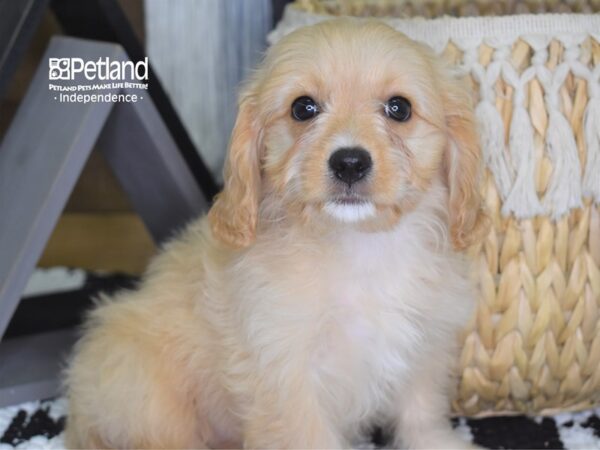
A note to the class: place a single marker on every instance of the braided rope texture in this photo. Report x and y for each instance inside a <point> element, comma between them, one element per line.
<point>533,345</point>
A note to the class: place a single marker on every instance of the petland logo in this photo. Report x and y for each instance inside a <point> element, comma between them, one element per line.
<point>103,69</point>
<point>99,81</point>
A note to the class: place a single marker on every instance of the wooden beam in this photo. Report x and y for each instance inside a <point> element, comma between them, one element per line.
<point>18,22</point>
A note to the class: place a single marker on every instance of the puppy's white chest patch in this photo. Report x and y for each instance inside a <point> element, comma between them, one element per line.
<point>370,332</point>
<point>370,317</point>
<point>355,319</point>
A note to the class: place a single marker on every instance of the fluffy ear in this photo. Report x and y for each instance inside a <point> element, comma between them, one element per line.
<point>468,222</point>
<point>234,213</point>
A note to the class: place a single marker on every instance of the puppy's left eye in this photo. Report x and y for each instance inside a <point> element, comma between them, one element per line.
<point>304,108</point>
<point>398,108</point>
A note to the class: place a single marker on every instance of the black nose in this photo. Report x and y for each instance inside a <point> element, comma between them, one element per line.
<point>350,164</point>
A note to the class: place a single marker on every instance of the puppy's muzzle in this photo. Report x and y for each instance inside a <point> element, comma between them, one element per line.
<point>350,165</point>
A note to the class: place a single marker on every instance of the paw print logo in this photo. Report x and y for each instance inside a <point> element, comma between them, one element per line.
<point>59,68</point>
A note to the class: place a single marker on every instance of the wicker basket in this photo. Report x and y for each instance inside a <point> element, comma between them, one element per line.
<point>534,344</point>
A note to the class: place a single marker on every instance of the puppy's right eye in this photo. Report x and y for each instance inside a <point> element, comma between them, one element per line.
<point>398,108</point>
<point>304,108</point>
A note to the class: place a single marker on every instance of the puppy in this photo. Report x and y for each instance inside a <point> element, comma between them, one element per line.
<point>325,290</point>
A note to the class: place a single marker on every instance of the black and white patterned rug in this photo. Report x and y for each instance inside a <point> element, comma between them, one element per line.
<point>39,425</point>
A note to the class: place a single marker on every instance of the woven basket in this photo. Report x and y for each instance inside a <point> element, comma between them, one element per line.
<point>534,343</point>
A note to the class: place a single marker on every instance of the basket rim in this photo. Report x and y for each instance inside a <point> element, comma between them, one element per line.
<point>440,30</point>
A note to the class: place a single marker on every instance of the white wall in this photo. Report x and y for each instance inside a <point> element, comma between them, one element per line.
<point>201,50</point>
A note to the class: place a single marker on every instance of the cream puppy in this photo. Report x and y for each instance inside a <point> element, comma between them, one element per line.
<point>326,287</point>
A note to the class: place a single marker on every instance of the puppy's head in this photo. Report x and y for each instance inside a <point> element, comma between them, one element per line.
<point>350,122</point>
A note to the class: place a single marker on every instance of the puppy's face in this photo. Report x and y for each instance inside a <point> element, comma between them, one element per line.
<point>356,127</point>
<point>349,122</point>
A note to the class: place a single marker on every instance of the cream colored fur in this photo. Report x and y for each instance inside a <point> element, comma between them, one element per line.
<point>276,324</point>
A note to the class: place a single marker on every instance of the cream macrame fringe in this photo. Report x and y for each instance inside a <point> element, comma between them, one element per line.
<point>591,178</point>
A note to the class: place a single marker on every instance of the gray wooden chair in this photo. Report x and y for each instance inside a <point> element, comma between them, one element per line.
<point>41,157</point>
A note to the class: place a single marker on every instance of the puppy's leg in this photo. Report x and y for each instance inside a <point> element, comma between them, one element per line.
<point>289,419</point>
<point>422,420</point>
<point>124,390</point>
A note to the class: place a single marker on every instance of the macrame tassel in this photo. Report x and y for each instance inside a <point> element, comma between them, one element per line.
<point>522,200</point>
<point>564,190</point>
<point>591,178</point>
<point>493,147</point>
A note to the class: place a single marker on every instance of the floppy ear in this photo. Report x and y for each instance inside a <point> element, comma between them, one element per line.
<point>233,216</point>
<point>468,222</point>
